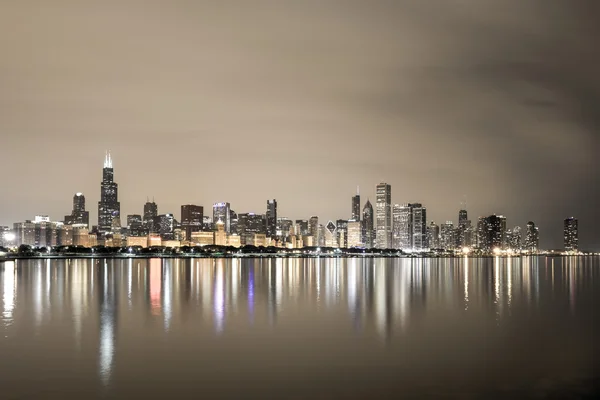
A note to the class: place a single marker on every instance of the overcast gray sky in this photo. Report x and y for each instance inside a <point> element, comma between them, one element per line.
<point>241,101</point>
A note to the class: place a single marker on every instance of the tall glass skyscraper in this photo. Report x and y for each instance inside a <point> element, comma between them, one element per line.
<point>79,216</point>
<point>271,217</point>
<point>108,206</point>
<point>368,228</point>
<point>384,216</point>
<point>221,211</point>
<point>571,234</point>
<point>356,206</point>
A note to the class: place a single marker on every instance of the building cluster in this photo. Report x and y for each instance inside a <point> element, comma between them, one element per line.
<point>387,226</point>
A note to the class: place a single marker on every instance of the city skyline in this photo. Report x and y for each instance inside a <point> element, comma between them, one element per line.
<point>395,226</point>
<point>380,91</point>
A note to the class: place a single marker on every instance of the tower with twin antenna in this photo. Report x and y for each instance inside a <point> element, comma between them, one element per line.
<point>108,206</point>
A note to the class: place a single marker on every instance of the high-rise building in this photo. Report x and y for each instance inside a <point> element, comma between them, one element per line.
<point>330,235</point>
<point>233,222</point>
<point>514,239</point>
<point>402,227</point>
<point>447,239</point>
<point>341,228</point>
<point>356,206</point>
<point>271,218</point>
<point>150,214</point>
<point>164,225</point>
<point>433,236</point>
<point>368,226</point>
<point>250,224</point>
<point>303,226</point>
<point>79,216</point>
<point>221,211</point>
<point>313,226</point>
<point>532,237</point>
<point>284,227</point>
<point>135,225</point>
<point>491,233</point>
<point>571,234</point>
<point>354,234</point>
<point>463,238</point>
<point>384,216</point>
<point>419,227</point>
<point>191,219</point>
<point>109,205</point>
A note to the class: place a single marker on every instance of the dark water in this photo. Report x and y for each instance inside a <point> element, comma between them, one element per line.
<point>300,329</point>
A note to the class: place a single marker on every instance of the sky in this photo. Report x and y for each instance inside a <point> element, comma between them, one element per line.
<point>495,101</point>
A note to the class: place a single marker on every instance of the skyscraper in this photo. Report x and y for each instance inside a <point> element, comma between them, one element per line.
<point>79,216</point>
<point>368,229</point>
<point>463,237</point>
<point>354,234</point>
<point>135,225</point>
<point>250,224</point>
<point>402,227</point>
<point>419,227</point>
<point>150,214</point>
<point>433,236</point>
<point>191,219</point>
<point>108,206</point>
<point>571,233</point>
<point>356,206</point>
<point>447,238</point>
<point>221,212</point>
<point>271,218</point>
<point>313,226</point>
<point>384,216</point>
<point>532,237</point>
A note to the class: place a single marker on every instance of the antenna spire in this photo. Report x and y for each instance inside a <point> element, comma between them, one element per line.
<point>357,190</point>
<point>108,160</point>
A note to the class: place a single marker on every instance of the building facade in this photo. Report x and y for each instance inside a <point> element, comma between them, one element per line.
<point>108,206</point>
<point>384,216</point>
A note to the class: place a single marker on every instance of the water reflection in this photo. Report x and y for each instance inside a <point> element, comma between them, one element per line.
<point>386,299</point>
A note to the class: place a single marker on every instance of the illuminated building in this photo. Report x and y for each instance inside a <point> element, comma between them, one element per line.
<point>203,238</point>
<point>571,234</point>
<point>135,225</point>
<point>221,211</point>
<point>383,236</point>
<point>155,240</point>
<point>108,206</point>
<point>302,227</point>
<point>330,235</point>
<point>259,239</point>
<point>402,227</point>
<point>141,241</point>
<point>341,226</point>
<point>81,236</point>
<point>447,239</point>
<point>463,238</point>
<point>207,224</point>
<point>368,228</point>
<point>191,219</point>
<point>284,227</point>
<point>532,237</point>
<point>354,234</point>
<point>356,206</point>
<point>491,233</point>
<point>250,224</point>
<point>164,225</point>
<point>271,218</point>
<point>65,235</point>
<point>514,239</point>
<point>433,236</point>
<point>24,233</point>
<point>78,215</point>
<point>150,214</point>
<point>234,240</point>
<point>233,222</point>
<point>409,230</point>
<point>313,225</point>
<point>308,240</point>
<point>171,243</point>
<point>220,234</point>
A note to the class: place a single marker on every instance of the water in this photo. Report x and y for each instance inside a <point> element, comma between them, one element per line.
<point>300,328</point>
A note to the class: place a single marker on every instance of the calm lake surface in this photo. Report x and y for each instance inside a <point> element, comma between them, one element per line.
<point>300,328</point>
